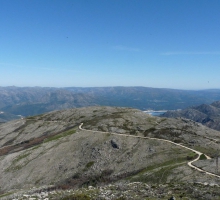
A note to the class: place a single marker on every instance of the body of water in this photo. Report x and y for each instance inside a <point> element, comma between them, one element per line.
<point>155,113</point>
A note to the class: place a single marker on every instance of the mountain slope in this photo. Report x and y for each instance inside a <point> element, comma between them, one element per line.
<point>50,149</point>
<point>208,115</point>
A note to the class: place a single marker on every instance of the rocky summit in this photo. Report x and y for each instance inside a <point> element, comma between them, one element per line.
<point>108,153</point>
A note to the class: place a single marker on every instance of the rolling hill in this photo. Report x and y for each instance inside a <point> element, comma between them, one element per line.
<point>106,153</point>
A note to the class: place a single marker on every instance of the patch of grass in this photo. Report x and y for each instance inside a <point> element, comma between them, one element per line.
<point>206,150</point>
<point>14,168</point>
<point>202,157</point>
<point>15,165</point>
<point>88,165</point>
<point>158,176</point>
<point>20,157</point>
<point>58,136</point>
<point>36,147</point>
<point>157,173</point>
<point>191,156</point>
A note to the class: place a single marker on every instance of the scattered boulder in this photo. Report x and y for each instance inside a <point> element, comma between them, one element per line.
<point>114,144</point>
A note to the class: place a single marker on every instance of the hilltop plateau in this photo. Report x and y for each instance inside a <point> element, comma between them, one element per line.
<point>107,153</point>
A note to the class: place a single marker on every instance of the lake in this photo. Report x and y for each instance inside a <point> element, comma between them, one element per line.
<point>155,113</point>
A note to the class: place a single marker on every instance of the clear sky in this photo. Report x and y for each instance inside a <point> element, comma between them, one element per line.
<point>87,43</point>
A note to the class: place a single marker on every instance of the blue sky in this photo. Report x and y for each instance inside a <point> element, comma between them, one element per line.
<point>86,43</point>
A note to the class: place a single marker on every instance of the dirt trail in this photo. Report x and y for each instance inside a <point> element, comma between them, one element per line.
<point>142,137</point>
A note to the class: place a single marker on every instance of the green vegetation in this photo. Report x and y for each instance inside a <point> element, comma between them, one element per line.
<point>20,157</point>
<point>206,150</point>
<point>15,166</point>
<point>158,174</point>
<point>36,147</point>
<point>191,156</point>
<point>202,157</point>
<point>88,165</point>
<point>58,136</point>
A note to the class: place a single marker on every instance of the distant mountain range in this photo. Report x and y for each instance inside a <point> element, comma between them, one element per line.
<point>28,101</point>
<point>208,115</point>
<point>4,117</point>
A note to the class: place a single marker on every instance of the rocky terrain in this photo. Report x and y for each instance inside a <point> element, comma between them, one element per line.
<point>208,115</point>
<point>48,157</point>
<point>28,101</point>
<point>122,191</point>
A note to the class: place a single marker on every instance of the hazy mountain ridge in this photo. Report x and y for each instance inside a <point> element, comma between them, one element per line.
<point>32,150</point>
<point>4,117</point>
<point>208,115</point>
<point>30,101</point>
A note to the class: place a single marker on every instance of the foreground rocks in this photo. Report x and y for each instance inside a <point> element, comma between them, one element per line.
<point>121,191</point>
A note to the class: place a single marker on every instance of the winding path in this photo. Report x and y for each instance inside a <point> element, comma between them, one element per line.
<point>189,163</point>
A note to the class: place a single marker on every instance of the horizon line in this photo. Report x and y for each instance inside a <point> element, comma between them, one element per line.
<point>61,87</point>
